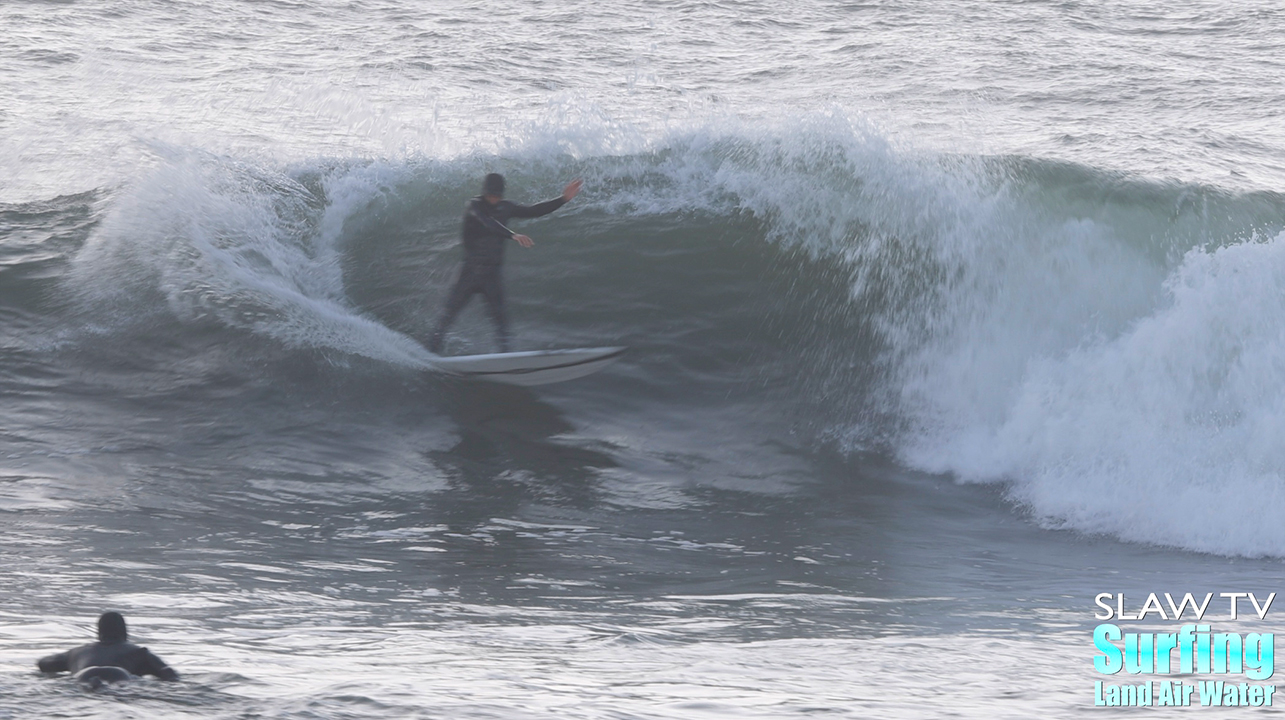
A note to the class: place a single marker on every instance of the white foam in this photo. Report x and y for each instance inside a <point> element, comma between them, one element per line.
<point>1169,433</point>
<point>233,243</point>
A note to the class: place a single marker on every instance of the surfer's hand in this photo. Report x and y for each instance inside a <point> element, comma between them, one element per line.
<point>572,189</point>
<point>523,240</point>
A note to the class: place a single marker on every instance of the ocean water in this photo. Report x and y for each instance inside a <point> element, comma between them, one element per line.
<point>943,319</point>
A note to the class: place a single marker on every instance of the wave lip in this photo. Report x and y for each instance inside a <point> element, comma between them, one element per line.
<point>206,238</point>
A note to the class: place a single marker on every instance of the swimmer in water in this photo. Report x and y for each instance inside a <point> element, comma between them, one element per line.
<point>111,659</point>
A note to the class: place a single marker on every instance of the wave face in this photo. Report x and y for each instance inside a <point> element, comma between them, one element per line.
<point>1108,347</point>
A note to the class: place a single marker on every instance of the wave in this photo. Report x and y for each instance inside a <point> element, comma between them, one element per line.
<point>1107,346</point>
<point>206,239</point>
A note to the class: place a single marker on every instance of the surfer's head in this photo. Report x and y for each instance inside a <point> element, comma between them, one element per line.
<point>493,185</point>
<point>111,628</point>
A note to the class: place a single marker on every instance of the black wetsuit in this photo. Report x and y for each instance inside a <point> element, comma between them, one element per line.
<point>485,238</point>
<point>122,654</point>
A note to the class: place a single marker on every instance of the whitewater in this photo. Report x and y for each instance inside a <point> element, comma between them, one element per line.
<point>943,319</point>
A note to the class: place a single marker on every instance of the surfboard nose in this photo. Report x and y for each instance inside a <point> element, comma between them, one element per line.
<point>100,675</point>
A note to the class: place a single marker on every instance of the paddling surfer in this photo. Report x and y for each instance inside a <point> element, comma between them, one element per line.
<point>484,237</point>
<point>111,659</point>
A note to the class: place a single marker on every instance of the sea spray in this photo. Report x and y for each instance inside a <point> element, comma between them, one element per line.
<point>234,243</point>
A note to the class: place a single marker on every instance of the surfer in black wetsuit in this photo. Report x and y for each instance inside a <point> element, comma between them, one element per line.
<point>110,659</point>
<point>485,237</point>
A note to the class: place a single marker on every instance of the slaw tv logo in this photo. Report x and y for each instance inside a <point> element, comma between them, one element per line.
<point>1194,649</point>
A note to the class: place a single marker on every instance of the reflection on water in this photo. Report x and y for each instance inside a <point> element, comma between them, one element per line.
<point>509,453</point>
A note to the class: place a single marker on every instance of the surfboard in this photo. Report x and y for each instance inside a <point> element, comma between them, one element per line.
<point>534,367</point>
<point>96,676</point>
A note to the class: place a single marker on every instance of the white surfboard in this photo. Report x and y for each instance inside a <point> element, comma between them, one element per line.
<point>535,367</point>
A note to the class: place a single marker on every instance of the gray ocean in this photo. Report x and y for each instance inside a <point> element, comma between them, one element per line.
<point>944,317</point>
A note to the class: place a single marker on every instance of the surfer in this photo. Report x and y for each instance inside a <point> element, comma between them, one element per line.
<point>110,659</point>
<point>485,237</point>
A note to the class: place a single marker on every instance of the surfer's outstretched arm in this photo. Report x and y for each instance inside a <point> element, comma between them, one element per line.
<point>54,663</point>
<point>539,209</point>
<point>153,665</point>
